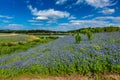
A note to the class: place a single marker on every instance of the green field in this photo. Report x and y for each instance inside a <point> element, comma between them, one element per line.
<point>10,43</point>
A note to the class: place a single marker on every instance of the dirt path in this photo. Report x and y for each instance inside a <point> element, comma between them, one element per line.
<point>113,77</point>
<point>53,78</point>
<point>73,77</point>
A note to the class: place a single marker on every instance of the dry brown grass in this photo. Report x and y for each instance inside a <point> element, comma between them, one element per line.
<point>73,77</point>
<point>112,77</point>
<point>31,38</point>
<point>9,34</point>
<point>28,39</point>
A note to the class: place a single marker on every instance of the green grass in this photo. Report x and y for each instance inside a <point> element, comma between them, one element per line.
<point>11,44</point>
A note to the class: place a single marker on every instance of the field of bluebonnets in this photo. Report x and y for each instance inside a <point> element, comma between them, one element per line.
<point>64,56</point>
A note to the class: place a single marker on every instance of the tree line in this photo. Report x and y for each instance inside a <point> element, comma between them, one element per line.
<point>97,29</point>
<point>82,30</point>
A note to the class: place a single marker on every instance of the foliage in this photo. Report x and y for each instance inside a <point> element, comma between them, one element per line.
<point>78,38</point>
<point>89,35</point>
<point>97,29</point>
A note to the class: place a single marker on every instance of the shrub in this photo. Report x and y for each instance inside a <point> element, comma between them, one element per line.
<point>89,35</point>
<point>78,38</point>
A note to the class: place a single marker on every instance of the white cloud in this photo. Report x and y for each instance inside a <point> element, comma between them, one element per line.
<point>95,22</point>
<point>34,11</point>
<point>77,24</point>
<point>14,27</point>
<point>32,21</point>
<point>107,11</point>
<point>71,17</point>
<point>5,17</point>
<point>36,24</point>
<point>48,14</point>
<point>64,24</point>
<point>106,18</point>
<point>94,3</point>
<point>60,2</point>
<point>88,16</point>
<point>5,21</point>
<point>79,1</point>
<point>42,18</point>
<point>99,3</point>
<point>52,21</point>
<point>88,23</point>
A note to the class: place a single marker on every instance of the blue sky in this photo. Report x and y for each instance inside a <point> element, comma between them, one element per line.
<point>59,15</point>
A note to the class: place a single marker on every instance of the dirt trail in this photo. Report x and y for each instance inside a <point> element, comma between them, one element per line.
<point>72,77</point>
<point>54,78</point>
<point>112,77</point>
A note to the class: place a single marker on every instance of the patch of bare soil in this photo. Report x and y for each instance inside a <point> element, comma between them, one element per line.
<point>112,77</point>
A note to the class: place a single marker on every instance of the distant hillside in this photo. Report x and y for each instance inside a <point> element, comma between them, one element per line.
<point>31,31</point>
<point>97,29</point>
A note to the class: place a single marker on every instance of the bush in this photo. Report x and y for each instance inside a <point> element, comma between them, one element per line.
<point>89,35</point>
<point>78,38</point>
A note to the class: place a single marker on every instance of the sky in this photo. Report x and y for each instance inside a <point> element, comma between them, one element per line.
<point>58,15</point>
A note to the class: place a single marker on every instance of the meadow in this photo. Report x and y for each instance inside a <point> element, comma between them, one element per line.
<point>100,55</point>
<point>10,43</point>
